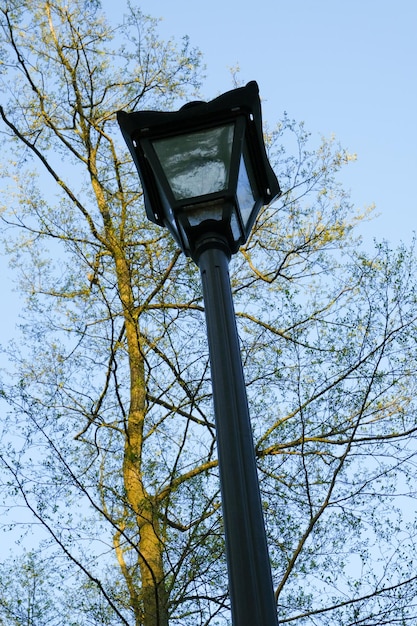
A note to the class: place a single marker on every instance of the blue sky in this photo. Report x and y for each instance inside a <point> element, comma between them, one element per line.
<point>347,68</point>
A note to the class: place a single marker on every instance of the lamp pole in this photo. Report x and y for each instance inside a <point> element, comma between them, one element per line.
<point>205,176</point>
<point>250,581</point>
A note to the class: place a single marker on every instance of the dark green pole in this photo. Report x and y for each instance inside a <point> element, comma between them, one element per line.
<point>250,580</point>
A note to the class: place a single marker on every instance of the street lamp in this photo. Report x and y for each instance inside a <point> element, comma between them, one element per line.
<point>205,176</point>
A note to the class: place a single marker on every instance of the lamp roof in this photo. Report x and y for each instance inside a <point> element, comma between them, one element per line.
<point>195,115</point>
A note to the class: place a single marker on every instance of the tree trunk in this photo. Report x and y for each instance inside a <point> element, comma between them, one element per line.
<point>150,606</point>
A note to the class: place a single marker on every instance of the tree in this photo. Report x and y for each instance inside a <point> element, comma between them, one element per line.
<point>109,441</point>
<point>28,600</point>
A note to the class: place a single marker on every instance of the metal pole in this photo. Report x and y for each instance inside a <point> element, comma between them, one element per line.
<point>250,580</point>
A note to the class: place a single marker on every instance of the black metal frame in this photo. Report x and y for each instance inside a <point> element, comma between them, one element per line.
<point>242,108</point>
<point>211,244</point>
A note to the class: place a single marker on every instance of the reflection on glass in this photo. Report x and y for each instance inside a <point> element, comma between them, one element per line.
<point>234,225</point>
<point>244,192</point>
<point>198,163</point>
<point>197,216</point>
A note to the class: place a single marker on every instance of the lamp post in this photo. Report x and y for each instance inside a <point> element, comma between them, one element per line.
<point>205,176</point>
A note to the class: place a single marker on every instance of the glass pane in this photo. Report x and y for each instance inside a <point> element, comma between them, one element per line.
<point>197,216</point>
<point>198,163</point>
<point>244,192</point>
<point>234,225</point>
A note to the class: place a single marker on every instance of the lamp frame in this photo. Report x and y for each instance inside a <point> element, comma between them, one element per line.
<point>240,107</point>
<point>211,244</point>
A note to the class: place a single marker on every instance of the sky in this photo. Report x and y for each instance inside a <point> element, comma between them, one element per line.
<point>348,68</point>
<point>344,68</point>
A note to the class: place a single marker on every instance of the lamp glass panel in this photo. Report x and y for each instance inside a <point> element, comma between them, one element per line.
<point>235,227</point>
<point>198,163</point>
<point>198,215</point>
<point>245,195</point>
